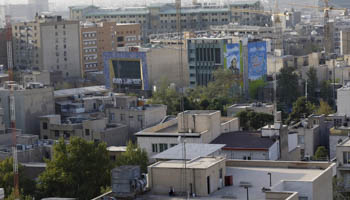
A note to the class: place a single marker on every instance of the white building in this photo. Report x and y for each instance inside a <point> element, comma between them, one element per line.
<point>343,99</point>
<point>196,126</point>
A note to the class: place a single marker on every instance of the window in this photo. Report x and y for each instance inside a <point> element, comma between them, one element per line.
<point>111,116</point>
<point>346,157</point>
<point>122,117</point>
<point>120,39</point>
<point>57,133</point>
<point>217,56</point>
<point>154,148</point>
<point>163,147</point>
<point>172,145</point>
<point>87,132</point>
<point>301,139</point>
<point>44,125</point>
<point>66,135</point>
<point>220,173</point>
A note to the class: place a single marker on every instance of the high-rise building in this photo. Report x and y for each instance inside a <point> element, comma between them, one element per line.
<point>99,37</point>
<point>47,44</point>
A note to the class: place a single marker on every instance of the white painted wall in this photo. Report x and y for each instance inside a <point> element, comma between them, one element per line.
<point>274,152</point>
<point>292,142</point>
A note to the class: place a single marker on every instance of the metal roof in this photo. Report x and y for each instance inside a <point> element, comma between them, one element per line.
<point>244,140</point>
<point>82,90</point>
<point>193,150</point>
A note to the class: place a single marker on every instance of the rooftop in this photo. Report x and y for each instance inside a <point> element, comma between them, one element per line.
<point>198,163</point>
<point>345,143</point>
<point>193,150</point>
<point>258,178</point>
<point>82,90</point>
<point>244,140</point>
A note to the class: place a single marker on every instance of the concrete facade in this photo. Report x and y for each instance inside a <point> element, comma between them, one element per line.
<point>204,176</point>
<point>51,127</point>
<point>136,117</point>
<point>161,18</point>
<point>30,103</point>
<point>47,44</point>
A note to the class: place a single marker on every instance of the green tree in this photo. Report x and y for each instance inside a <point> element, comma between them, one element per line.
<point>21,197</point>
<point>133,155</point>
<point>77,170</point>
<point>250,120</point>
<point>287,87</point>
<point>312,85</point>
<point>256,86</point>
<point>166,95</point>
<point>324,108</point>
<point>301,109</point>
<point>326,92</point>
<point>321,153</point>
<point>26,185</point>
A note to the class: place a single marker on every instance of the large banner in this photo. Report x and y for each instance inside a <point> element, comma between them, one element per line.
<point>257,60</point>
<point>232,58</point>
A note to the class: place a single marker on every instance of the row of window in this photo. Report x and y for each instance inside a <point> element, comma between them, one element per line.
<point>157,148</point>
<point>208,54</point>
<point>87,35</point>
<point>92,65</point>
<point>90,57</point>
<point>92,42</point>
<point>90,50</point>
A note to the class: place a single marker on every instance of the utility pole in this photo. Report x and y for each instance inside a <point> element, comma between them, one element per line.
<point>12,106</point>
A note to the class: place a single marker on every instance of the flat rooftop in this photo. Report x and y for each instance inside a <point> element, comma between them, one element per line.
<point>193,150</point>
<point>82,90</point>
<point>258,178</point>
<point>199,163</point>
<point>244,140</point>
<point>346,143</point>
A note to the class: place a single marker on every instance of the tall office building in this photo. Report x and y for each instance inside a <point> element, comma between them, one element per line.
<point>48,44</point>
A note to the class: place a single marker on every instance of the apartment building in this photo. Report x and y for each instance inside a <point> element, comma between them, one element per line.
<point>198,126</point>
<point>98,37</point>
<point>161,18</point>
<point>92,129</point>
<point>31,102</point>
<point>48,43</point>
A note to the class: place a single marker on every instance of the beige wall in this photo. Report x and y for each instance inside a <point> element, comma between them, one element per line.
<point>162,179</point>
<point>71,66</point>
<point>163,63</point>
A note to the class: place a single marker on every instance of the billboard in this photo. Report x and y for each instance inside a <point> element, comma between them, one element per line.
<point>257,60</point>
<point>233,58</point>
<point>126,70</point>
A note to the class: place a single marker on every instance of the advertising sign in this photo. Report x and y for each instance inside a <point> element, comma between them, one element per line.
<point>257,60</point>
<point>232,57</point>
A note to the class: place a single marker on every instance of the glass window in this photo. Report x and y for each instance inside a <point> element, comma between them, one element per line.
<point>154,148</point>
<point>163,147</point>
<point>44,125</point>
<point>87,132</point>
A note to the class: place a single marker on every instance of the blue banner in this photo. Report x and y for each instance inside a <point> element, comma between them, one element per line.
<point>233,57</point>
<point>257,60</point>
